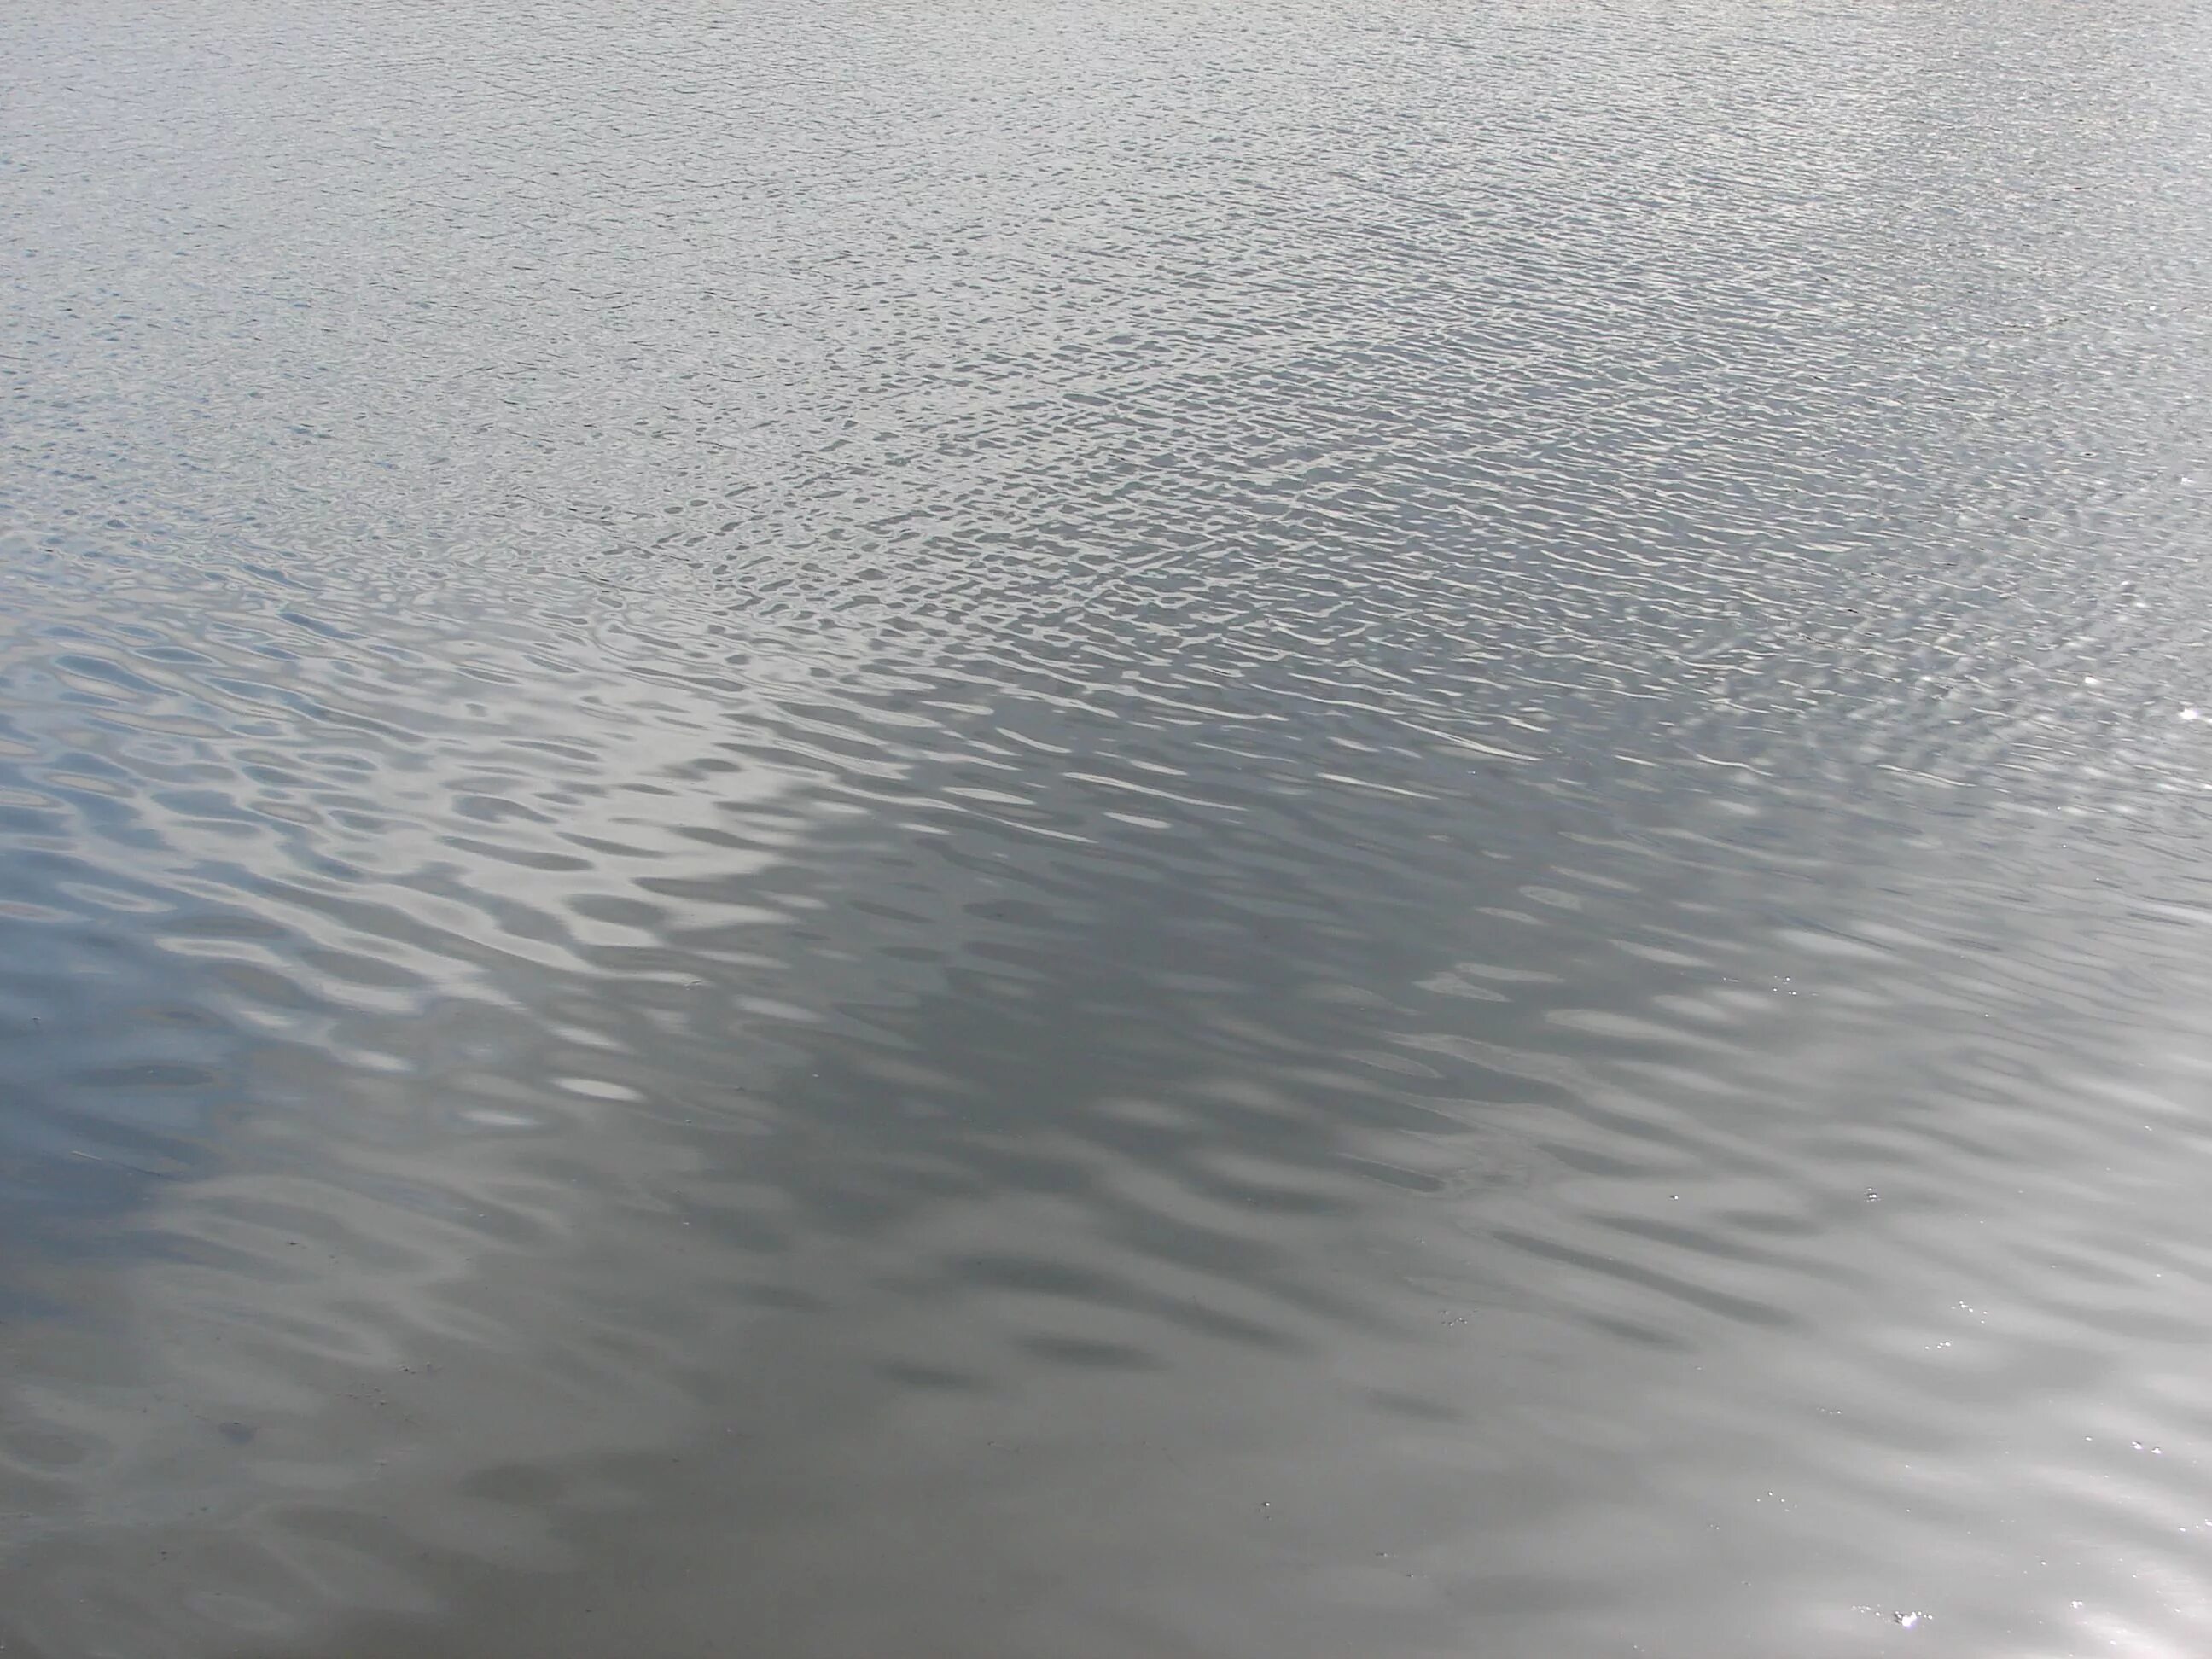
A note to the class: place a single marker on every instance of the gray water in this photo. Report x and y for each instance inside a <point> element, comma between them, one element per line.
<point>1105,831</point>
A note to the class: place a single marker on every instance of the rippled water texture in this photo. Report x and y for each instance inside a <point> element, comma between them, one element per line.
<point>1104,831</point>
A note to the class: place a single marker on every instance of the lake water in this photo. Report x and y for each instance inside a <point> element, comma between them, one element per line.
<point>1105,830</point>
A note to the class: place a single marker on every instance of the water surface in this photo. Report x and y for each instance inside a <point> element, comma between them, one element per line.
<point>1077,831</point>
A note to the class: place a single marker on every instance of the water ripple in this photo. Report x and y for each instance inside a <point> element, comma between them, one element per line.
<point>1079,832</point>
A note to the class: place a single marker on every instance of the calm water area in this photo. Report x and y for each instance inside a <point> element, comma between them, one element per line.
<point>1105,829</point>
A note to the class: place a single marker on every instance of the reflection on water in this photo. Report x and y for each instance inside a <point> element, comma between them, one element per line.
<point>1103,831</point>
